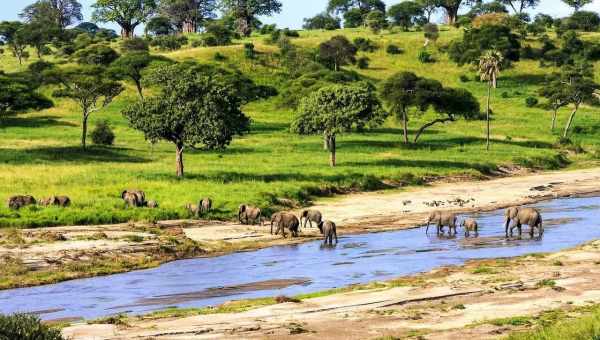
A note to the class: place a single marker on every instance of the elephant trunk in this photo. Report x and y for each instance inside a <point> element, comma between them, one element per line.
<point>506,224</point>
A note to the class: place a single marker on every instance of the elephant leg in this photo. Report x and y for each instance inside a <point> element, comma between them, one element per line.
<point>336,239</point>
<point>520,227</point>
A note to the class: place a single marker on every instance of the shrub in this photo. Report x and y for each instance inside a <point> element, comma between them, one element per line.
<point>583,20</point>
<point>103,134</point>
<point>431,32</point>
<point>425,57</point>
<point>504,95</point>
<point>394,49</point>
<point>169,42</point>
<point>365,45</point>
<point>219,57</point>
<point>362,63</point>
<point>249,50</point>
<point>206,41</point>
<point>464,78</point>
<point>134,45</point>
<point>322,21</point>
<point>26,327</point>
<point>221,33</point>
<point>268,29</point>
<point>97,54</point>
<point>531,101</point>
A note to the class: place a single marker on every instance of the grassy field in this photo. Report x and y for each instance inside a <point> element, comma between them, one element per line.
<point>40,152</point>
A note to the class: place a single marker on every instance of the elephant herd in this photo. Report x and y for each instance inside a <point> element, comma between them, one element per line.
<point>248,214</point>
<point>514,218</point>
<point>20,201</point>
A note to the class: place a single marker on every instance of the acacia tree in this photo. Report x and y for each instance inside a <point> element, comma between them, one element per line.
<point>336,109</point>
<point>428,7</point>
<point>519,6</point>
<point>12,33</point>
<point>245,12</point>
<point>188,15</point>
<point>88,86</point>
<point>554,91</point>
<point>193,109</point>
<point>451,7</point>
<point>375,20</point>
<point>577,4</point>
<point>337,51</point>
<point>62,13</point>
<point>405,14</point>
<point>131,66</point>
<point>17,95</point>
<point>126,13</point>
<point>489,69</point>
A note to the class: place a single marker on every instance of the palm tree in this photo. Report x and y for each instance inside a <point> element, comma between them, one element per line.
<point>489,68</point>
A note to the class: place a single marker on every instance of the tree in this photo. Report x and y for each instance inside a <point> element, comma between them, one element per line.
<point>577,4</point>
<point>245,12</point>
<point>38,36</point>
<point>353,18</point>
<point>488,37</point>
<point>12,33</point>
<point>188,15</point>
<point>322,21</point>
<point>583,20</point>
<point>451,7</point>
<point>131,66</point>
<point>406,14</point>
<point>126,13</point>
<point>375,20</point>
<point>87,85</point>
<point>62,13</point>
<point>336,109</point>
<point>193,109</point>
<point>554,91</point>
<point>337,51</point>
<point>18,95</point>
<point>489,69</point>
<point>96,54</point>
<point>428,7</point>
<point>159,26</point>
<point>354,11</point>
<point>519,6</point>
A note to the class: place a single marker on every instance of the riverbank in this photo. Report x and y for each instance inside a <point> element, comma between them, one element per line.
<point>484,299</point>
<point>47,255</point>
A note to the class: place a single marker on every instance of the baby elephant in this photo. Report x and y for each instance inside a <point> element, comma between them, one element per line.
<point>60,201</point>
<point>311,216</point>
<point>205,205</point>
<point>470,225</point>
<point>520,216</point>
<point>152,204</point>
<point>19,201</point>
<point>442,219</point>
<point>134,198</point>
<point>248,213</point>
<point>328,229</point>
<point>284,221</point>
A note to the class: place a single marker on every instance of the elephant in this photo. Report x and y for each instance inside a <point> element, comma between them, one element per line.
<point>193,209</point>
<point>205,205</point>
<point>19,201</point>
<point>248,213</point>
<point>520,216</point>
<point>61,201</point>
<point>285,220</point>
<point>152,204</point>
<point>311,216</point>
<point>442,219</point>
<point>328,229</point>
<point>134,198</point>
<point>470,225</point>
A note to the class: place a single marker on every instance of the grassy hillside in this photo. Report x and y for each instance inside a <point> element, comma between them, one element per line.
<point>40,153</point>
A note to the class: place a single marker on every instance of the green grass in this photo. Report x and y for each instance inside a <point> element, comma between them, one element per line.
<point>586,327</point>
<point>40,154</point>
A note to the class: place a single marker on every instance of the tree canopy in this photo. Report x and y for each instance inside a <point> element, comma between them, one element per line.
<point>577,4</point>
<point>477,41</point>
<point>406,14</point>
<point>126,13</point>
<point>322,21</point>
<point>337,51</point>
<point>62,13</point>
<point>188,15</point>
<point>17,95</point>
<point>245,12</point>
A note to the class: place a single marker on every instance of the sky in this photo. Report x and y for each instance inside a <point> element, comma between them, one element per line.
<point>293,12</point>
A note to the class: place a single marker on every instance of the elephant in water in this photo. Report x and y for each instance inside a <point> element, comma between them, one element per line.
<point>134,198</point>
<point>470,225</point>
<point>328,229</point>
<point>520,216</point>
<point>248,213</point>
<point>18,202</point>
<point>442,219</point>
<point>311,216</point>
<point>284,221</point>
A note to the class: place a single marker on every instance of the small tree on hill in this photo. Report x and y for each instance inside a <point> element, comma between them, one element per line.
<point>577,4</point>
<point>375,20</point>
<point>193,109</point>
<point>554,91</point>
<point>322,21</point>
<point>13,35</point>
<point>489,69</point>
<point>89,87</point>
<point>338,51</point>
<point>406,14</point>
<point>131,66</point>
<point>431,33</point>
<point>17,95</point>
<point>519,6</point>
<point>337,109</point>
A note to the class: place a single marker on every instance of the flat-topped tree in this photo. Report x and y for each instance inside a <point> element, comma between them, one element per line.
<point>130,66</point>
<point>245,12</point>
<point>62,13</point>
<point>89,86</point>
<point>519,6</point>
<point>126,13</point>
<point>193,109</point>
<point>577,4</point>
<point>337,51</point>
<point>13,34</point>
<point>337,109</point>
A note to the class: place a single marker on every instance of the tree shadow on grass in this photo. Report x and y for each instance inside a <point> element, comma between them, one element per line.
<point>32,122</point>
<point>68,155</point>
<point>426,164</point>
<point>518,80</point>
<point>264,127</point>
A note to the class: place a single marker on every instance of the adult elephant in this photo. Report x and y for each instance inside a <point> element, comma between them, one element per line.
<point>285,221</point>
<point>311,216</point>
<point>521,216</point>
<point>442,219</point>
<point>134,198</point>
<point>248,213</point>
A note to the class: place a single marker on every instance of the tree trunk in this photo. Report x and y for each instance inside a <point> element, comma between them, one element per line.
<point>554,116</point>
<point>127,31</point>
<point>189,26</point>
<point>138,85</point>
<point>430,124</point>
<point>84,130</point>
<point>451,15</point>
<point>570,122</point>
<point>179,159</point>
<point>332,148</point>
<point>405,125</point>
<point>487,114</point>
<point>325,142</point>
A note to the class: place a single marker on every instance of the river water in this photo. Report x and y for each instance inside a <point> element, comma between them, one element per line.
<point>308,267</point>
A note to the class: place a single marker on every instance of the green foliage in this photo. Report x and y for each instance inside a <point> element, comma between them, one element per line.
<point>583,20</point>
<point>478,40</point>
<point>431,32</point>
<point>26,327</point>
<point>130,66</point>
<point>134,45</point>
<point>376,21</point>
<point>217,34</point>
<point>18,95</point>
<point>322,21</point>
<point>249,51</point>
<point>531,101</point>
<point>425,57</point>
<point>364,44</point>
<point>188,16</point>
<point>103,134</point>
<point>159,25</point>
<point>61,13</point>
<point>394,49</point>
<point>97,54</point>
<point>583,327</point>
<point>577,4</point>
<point>245,12</point>
<point>406,14</point>
<point>169,42</point>
<point>12,33</point>
<point>362,63</point>
<point>127,13</point>
<point>336,52</point>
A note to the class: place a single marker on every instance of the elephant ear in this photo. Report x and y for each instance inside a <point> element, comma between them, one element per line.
<point>123,194</point>
<point>242,208</point>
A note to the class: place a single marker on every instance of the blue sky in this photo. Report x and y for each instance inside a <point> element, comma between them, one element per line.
<point>293,10</point>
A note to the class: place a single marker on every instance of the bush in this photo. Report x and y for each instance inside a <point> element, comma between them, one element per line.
<point>249,50</point>
<point>365,45</point>
<point>583,20</point>
<point>169,42</point>
<point>504,95</point>
<point>425,57</point>
<point>268,29</point>
<point>464,78</point>
<point>26,327</point>
<point>322,21</point>
<point>134,45</point>
<point>394,49</point>
<point>219,57</point>
<point>221,34</point>
<point>103,134</point>
<point>531,101</point>
<point>362,63</point>
<point>97,54</point>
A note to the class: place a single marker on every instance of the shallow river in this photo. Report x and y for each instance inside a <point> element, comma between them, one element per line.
<point>309,267</point>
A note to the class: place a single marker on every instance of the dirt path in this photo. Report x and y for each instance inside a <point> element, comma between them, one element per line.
<point>447,303</point>
<point>52,249</point>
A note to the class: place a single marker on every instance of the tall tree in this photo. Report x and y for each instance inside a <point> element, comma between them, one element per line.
<point>366,6</point>
<point>131,66</point>
<point>193,109</point>
<point>12,33</point>
<point>577,4</point>
<point>428,7</point>
<point>245,12</point>
<point>406,14</point>
<point>337,109</point>
<point>519,6</point>
<point>188,15</point>
<point>89,86</point>
<point>489,69</point>
<point>126,13</point>
<point>337,51</point>
<point>554,90</point>
<point>61,12</point>
<point>451,7</point>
